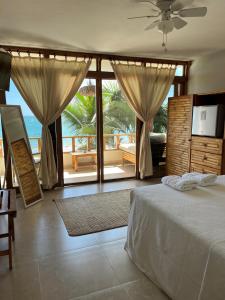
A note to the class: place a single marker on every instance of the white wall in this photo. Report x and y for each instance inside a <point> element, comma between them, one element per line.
<point>207,74</point>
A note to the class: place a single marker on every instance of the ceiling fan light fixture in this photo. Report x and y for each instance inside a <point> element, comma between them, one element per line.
<point>166,26</point>
<point>171,13</point>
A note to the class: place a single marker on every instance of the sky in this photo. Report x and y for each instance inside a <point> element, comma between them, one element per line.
<point>13,97</point>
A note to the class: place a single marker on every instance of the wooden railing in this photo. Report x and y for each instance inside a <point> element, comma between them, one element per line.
<point>88,145</point>
<point>91,140</point>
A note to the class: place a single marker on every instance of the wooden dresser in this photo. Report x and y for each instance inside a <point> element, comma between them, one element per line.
<point>207,155</point>
<point>187,153</point>
<point>179,135</point>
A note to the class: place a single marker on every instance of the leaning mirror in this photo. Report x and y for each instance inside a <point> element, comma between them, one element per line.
<point>20,150</point>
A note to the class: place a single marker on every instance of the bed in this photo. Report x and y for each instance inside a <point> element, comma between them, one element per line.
<point>178,239</point>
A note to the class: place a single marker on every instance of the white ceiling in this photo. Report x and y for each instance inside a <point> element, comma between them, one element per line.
<point>102,26</point>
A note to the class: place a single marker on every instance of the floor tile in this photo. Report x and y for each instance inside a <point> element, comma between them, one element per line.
<point>76,274</point>
<point>124,268</point>
<point>22,283</point>
<point>144,289</point>
<point>49,264</point>
<point>115,293</point>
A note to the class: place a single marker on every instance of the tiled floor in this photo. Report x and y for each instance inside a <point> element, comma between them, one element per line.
<point>87,174</point>
<point>48,264</point>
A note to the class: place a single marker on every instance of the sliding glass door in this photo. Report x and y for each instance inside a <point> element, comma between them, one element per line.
<point>119,133</point>
<point>79,136</point>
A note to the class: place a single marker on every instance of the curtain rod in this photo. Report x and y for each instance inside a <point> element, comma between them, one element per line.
<point>92,55</point>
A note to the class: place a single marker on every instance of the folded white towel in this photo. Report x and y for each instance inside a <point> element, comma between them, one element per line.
<point>202,179</point>
<point>177,183</point>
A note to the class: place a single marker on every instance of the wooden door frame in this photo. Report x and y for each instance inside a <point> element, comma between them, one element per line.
<point>99,76</point>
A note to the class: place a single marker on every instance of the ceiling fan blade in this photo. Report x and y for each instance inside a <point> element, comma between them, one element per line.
<point>145,1</point>
<point>180,4</point>
<point>178,22</point>
<point>140,17</point>
<point>152,25</point>
<point>139,1</point>
<point>193,12</point>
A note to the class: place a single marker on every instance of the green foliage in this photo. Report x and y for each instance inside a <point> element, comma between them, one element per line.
<point>80,114</point>
<point>160,121</point>
<point>118,117</point>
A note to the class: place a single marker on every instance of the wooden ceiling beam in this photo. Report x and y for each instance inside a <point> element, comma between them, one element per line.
<point>45,52</point>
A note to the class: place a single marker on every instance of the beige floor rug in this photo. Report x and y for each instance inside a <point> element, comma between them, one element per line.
<point>94,213</point>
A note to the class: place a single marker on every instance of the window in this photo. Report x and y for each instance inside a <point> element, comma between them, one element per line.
<point>160,121</point>
<point>79,135</point>
<point>179,71</point>
<point>119,133</point>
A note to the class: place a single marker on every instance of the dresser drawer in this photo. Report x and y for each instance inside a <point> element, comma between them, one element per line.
<point>206,159</point>
<point>204,169</point>
<point>210,145</point>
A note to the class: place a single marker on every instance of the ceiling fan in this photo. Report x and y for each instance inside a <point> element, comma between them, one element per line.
<point>171,13</point>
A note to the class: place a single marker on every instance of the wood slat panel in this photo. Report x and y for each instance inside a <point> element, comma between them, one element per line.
<point>206,159</point>
<point>179,135</point>
<point>210,145</point>
<point>204,169</point>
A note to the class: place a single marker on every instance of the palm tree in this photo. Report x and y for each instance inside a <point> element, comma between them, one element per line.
<point>117,115</point>
<point>80,114</point>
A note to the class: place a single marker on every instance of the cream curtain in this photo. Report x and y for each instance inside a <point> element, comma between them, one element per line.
<point>48,85</point>
<point>145,88</point>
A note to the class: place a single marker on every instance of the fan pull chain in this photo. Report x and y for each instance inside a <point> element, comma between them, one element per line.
<point>164,44</point>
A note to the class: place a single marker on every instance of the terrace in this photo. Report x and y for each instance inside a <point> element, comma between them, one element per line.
<point>84,147</point>
<point>119,157</point>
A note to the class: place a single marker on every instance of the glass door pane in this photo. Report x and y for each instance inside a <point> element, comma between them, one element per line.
<point>79,134</point>
<point>158,138</point>
<point>119,133</point>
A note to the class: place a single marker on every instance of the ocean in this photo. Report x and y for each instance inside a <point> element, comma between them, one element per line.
<point>33,127</point>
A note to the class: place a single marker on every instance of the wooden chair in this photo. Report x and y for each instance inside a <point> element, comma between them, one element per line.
<point>8,208</point>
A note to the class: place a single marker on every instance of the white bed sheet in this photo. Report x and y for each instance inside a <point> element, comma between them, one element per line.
<point>178,239</point>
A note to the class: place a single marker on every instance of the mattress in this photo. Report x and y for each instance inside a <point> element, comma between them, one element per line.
<point>178,239</point>
<point>129,147</point>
